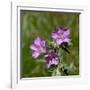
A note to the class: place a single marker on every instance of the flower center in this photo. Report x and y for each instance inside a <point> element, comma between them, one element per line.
<point>39,48</point>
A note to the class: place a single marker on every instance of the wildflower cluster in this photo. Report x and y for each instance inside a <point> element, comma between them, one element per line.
<point>53,56</point>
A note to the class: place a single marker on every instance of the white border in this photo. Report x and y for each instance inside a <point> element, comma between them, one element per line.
<point>15,62</point>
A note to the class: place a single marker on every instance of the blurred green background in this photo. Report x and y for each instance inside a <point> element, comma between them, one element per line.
<point>36,23</point>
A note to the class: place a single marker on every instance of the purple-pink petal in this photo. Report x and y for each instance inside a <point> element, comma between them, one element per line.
<point>59,41</point>
<point>59,30</point>
<point>43,43</point>
<point>37,41</point>
<point>44,50</point>
<point>67,33</point>
<point>33,47</point>
<point>35,54</point>
<point>52,62</point>
<point>66,40</point>
<point>54,35</point>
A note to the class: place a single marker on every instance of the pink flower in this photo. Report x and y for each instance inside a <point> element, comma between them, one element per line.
<point>38,47</point>
<point>61,35</point>
<point>51,58</point>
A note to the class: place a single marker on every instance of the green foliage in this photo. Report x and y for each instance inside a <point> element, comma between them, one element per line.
<point>42,24</point>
